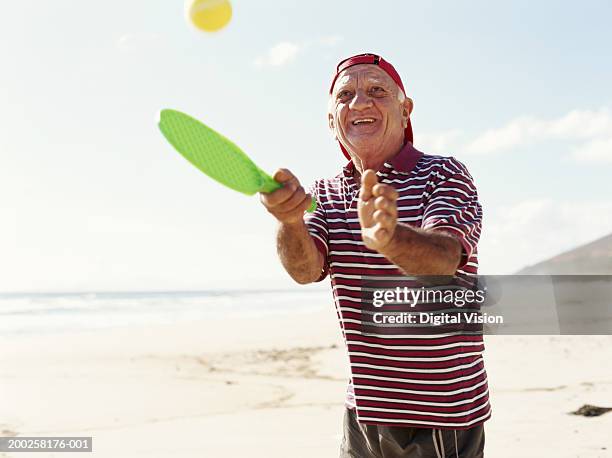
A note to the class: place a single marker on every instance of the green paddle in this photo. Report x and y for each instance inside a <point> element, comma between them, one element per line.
<point>215,155</point>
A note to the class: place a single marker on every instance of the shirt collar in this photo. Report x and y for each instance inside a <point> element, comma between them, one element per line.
<point>403,162</point>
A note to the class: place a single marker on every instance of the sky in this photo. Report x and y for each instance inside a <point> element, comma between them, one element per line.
<point>92,198</point>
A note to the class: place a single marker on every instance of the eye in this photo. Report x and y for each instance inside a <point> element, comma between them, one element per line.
<point>344,95</point>
<point>378,91</point>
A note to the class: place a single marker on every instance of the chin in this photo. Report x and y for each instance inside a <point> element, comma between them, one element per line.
<point>366,145</point>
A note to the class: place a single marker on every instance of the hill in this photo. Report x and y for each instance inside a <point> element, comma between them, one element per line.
<point>594,258</point>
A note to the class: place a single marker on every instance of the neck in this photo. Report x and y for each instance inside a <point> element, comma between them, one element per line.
<point>368,160</point>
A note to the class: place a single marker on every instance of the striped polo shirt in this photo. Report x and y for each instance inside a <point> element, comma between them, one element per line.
<point>434,380</point>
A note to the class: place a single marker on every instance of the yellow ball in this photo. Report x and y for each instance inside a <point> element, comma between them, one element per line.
<point>209,15</point>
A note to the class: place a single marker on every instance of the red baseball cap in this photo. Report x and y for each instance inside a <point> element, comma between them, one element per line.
<point>373,59</point>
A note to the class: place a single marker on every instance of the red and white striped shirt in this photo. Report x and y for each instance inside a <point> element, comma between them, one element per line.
<point>428,380</point>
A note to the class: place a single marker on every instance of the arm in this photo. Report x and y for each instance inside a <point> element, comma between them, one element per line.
<point>295,246</point>
<point>298,252</point>
<point>422,251</point>
<point>415,251</point>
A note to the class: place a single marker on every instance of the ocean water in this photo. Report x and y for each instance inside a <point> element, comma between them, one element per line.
<point>61,312</point>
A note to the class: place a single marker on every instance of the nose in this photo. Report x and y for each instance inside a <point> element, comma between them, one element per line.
<point>360,101</point>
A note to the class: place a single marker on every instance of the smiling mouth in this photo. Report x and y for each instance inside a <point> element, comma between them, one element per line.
<point>361,121</point>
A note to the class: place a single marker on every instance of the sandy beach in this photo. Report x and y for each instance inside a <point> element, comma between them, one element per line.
<point>273,387</point>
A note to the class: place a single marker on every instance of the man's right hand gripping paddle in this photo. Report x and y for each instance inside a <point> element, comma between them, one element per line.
<point>288,203</point>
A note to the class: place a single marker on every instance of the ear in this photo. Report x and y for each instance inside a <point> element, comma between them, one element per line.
<point>407,106</point>
<point>332,125</point>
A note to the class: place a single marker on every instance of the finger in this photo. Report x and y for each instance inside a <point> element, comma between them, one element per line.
<point>384,190</point>
<point>383,218</point>
<point>281,195</point>
<point>292,203</point>
<point>284,176</point>
<point>368,180</point>
<point>301,207</point>
<point>388,205</point>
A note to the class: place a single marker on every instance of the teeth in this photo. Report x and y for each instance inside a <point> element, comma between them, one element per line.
<point>364,120</point>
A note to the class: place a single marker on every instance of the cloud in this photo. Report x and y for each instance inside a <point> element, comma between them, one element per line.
<point>589,132</point>
<point>576,125</point>
<point>286,52</point>
<point>278,55</point>
<point>439,142</point>
<point>596,151</point>
<point>530,231</point>
<point>513,134</point>
<point>581,124</point>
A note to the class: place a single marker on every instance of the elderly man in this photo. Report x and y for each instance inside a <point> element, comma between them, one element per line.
<point>392,210</point>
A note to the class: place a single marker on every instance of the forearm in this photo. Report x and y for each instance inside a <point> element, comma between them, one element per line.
<point>423,252</point>
<point>298,252</point>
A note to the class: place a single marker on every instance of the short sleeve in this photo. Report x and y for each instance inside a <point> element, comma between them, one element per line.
<point>316,223</point>
<point>453,206</point>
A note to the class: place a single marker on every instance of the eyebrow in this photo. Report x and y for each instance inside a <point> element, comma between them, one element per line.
<point>371,78</point>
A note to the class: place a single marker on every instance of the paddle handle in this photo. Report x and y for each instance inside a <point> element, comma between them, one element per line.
<point>270,184</point>
<point>313,205</point>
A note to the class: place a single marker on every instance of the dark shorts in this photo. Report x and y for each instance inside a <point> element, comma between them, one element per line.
<point>376,441</point>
